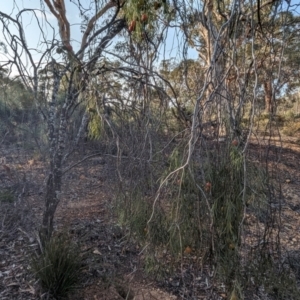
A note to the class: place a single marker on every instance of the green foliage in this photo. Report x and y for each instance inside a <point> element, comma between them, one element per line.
<point>136,215</point>
<point>200,208</point>
<point>142,16</point>
<point>277,280</point>
<point>95,127</point>
<point>227,180</point>
<point>13,95</point>
<point>17,111</point>
<point>59,266</point>
<point>187,211</point>
<point>6,196</point>
<point>287,121</point>
<point>291,128</point>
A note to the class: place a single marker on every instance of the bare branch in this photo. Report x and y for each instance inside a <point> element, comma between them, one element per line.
<point>91,25</point>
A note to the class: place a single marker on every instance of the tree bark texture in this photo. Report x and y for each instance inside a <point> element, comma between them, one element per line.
<point>269,107</point>
<point>58,119</point>
<point>217,97</point>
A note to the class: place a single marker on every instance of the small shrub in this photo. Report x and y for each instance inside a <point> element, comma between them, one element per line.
<point>6,196</point>
<point>58,267</point>
<point>136,216</point>
<point>289,116</point>
<point>263,117</point>
<point>279,119</point>
<point>291,128</point>
<point>276,280</point>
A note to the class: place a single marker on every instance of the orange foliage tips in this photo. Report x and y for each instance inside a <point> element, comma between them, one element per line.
<point>188,250</point>
<point>234,142</point>
<point>207,187</point>
<point>144,18</point>
<point>132,25</point>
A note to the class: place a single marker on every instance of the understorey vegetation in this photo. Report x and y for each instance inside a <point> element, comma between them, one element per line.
<point>188,139</point>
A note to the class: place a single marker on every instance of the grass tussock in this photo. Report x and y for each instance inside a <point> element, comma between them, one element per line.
<point>59,266</point>
<point>6,196</point>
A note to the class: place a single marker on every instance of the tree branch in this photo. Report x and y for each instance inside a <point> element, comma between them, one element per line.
<point>91,24</point>
<point>64,26</point>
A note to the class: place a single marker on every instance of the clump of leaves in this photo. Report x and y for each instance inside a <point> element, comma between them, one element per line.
<point>142,16</point>
<point>95,127</point>
<point>58,267</point>
<point>6,196</point>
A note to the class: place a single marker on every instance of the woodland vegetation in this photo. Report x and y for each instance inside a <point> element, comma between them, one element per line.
<point>194,143</point>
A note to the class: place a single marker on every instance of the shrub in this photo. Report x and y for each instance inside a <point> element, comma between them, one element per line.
<point>6,196</point>
<point>58,267</point>
<point>291,128</point>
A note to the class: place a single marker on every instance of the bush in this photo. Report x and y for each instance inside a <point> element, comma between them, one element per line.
<point>58,267</point>
<point>6,196</point>
<point>291,128</point>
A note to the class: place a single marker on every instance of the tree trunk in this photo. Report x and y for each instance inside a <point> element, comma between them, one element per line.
<point>57,137</point>
<point>217,97</point>
<point>269,107</point>
<point>54,183</point>
<point>51,202</point>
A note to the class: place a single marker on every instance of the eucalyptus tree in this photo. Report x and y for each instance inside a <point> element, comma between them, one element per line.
<point>243,49</point>
<point>240,44</point>
<point>278,56</point>
<point>58,73</point>
<point>68,72</point>
<point>185,81</point>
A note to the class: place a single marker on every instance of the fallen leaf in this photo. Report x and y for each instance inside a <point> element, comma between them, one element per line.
<point>31,290</point>
<point>96,251</point>
<point>188,250</point>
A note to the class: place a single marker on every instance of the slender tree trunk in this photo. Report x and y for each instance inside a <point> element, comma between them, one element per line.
<point>51,202</point>
<point>215,59</point>
<point>54,183</point>
<point>57,137</point>
<point>57,143</point>
<point>269,107</point>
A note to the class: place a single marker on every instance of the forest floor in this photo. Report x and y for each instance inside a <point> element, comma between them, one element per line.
<point>115,268</point>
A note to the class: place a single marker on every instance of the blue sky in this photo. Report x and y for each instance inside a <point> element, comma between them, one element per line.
<point>35,40</point>
<point>33,33</point>
<point>171,48</point>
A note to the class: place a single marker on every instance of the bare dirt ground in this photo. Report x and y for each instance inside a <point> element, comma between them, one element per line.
<point>114,265</point>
